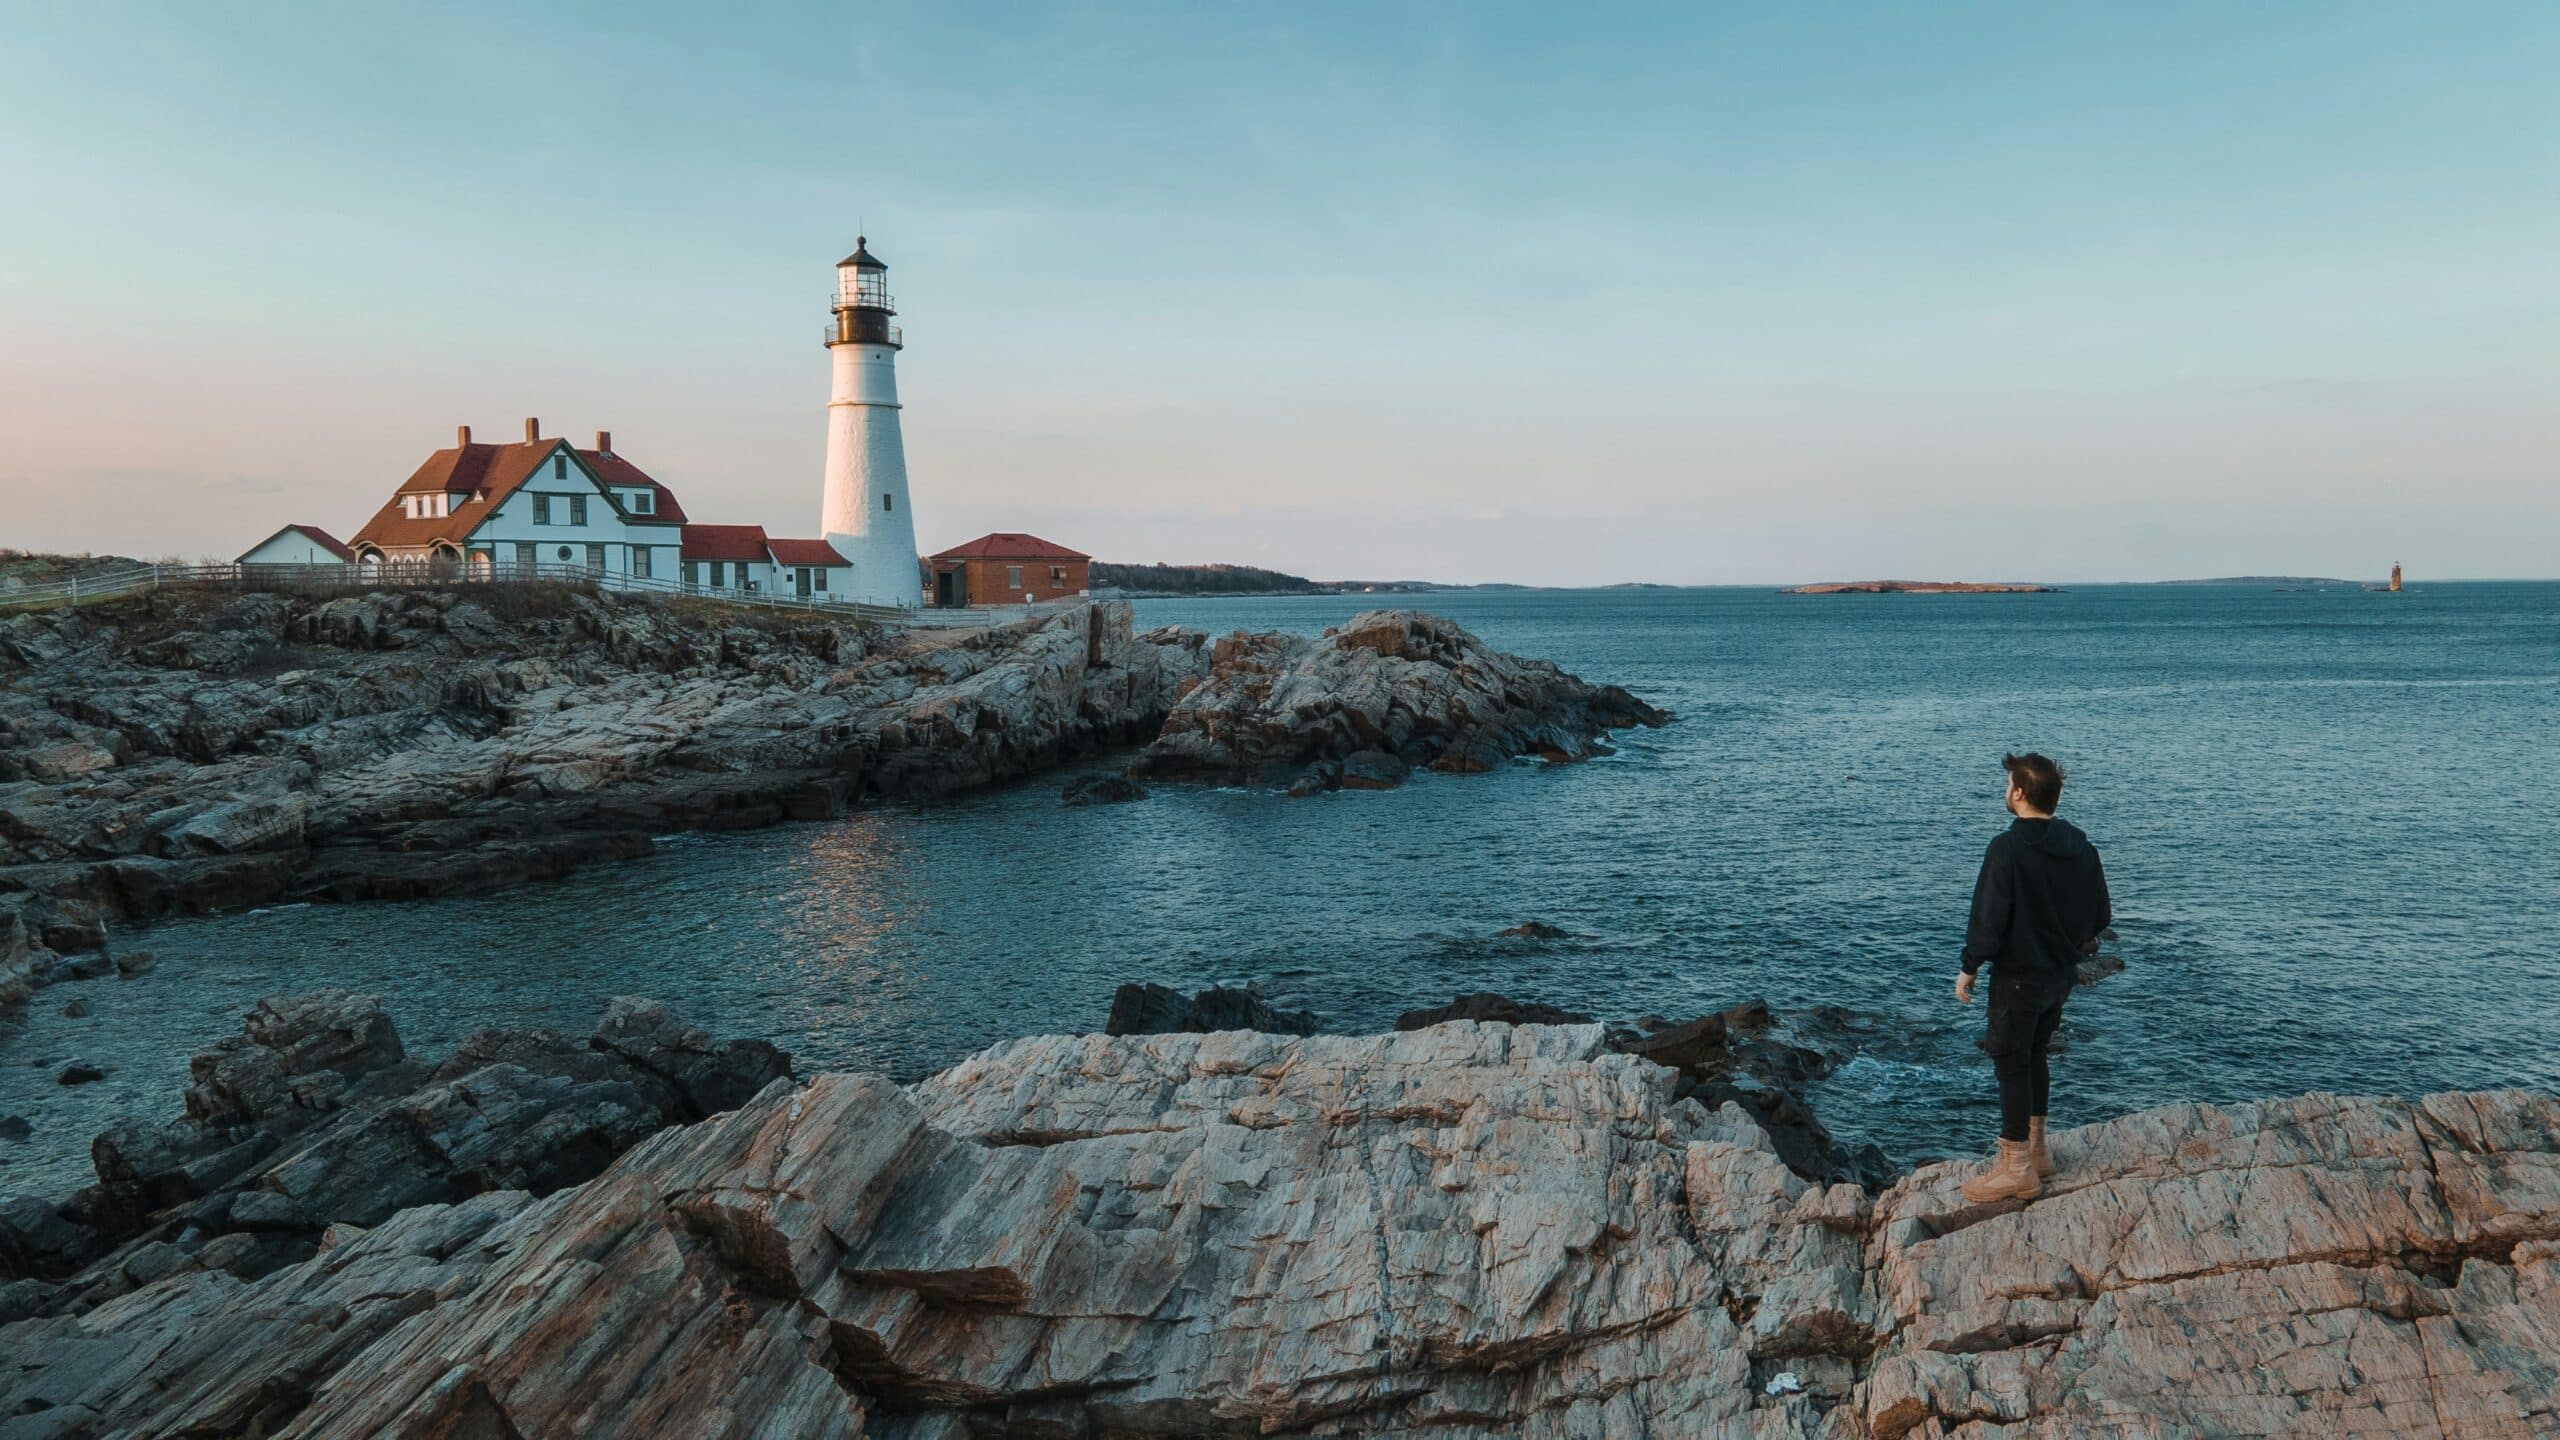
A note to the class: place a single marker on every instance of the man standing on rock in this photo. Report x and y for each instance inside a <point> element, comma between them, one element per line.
<point>2040,900</point>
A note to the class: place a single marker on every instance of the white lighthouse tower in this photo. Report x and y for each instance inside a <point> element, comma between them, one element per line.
<point>865,515</point>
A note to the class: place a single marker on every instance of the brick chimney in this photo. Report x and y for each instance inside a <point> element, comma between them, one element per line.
<point>461,434</point>
<point>604,442</point>
<point>532,429</point>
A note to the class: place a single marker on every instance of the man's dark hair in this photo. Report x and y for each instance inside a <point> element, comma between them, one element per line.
<point>2039,780</point>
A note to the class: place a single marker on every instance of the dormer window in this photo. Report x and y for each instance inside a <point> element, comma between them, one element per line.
<point>643,503</point>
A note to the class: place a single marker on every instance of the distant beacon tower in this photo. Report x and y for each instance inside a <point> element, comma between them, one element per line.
<point>865,515</point>
<point>2395,574</point>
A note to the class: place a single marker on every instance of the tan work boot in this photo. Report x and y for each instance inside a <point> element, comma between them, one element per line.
<point>2037,1155</point>
<point>2010,1177</point>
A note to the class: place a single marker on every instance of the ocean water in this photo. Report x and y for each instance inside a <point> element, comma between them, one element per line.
<point>2329,819</point>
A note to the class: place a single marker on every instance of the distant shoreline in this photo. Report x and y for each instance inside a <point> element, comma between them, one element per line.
<point>1919,587</point>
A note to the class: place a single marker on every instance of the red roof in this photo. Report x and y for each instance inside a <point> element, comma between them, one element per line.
<point>724,542</point>
<point>804,552</point>
<point>319,537</point>
<point>612,469</point>
<point>467,471</point>
<point>1007,545</point>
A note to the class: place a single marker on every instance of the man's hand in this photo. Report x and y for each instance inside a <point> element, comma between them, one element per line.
<point>1964,987</point>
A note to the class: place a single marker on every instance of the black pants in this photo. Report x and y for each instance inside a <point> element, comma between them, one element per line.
<point>2025,1010</point>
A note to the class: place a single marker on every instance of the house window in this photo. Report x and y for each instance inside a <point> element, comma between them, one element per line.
<point>525,555</point>
<point>643,503</point>
<point>541,509</point>
<point>595,559</point>
<point>1057,577</point>
<point>1013,577</point>
<point>577,509</point>
<point>559,467</point>
<point>818,578</point>
<point>693,572</point>
<point>719,573</point>
<point>640,561</point>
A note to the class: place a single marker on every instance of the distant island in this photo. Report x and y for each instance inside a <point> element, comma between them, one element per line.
<point>1916,587</point>
<point>1162,581</point>
<point>2261,580</point>
<point>1202,580</point>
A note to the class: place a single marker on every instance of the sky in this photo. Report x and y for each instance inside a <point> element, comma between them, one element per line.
<point>1544,294</point>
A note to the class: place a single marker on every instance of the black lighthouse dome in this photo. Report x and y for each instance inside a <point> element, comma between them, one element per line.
<point>862,258</point>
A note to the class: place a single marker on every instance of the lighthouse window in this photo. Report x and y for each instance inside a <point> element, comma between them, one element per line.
<point>886,502</point>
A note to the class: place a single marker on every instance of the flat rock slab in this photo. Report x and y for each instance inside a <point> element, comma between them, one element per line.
<point>1471,1230</point>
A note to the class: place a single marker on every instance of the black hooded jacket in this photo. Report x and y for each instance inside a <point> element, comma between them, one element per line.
<point>2041,897</point>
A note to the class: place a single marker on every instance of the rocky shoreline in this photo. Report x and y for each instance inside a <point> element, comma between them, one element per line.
<point>1466,1228</point>
<point>183,752</point>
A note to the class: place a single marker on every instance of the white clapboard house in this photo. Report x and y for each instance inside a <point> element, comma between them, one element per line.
<point>541,506</point>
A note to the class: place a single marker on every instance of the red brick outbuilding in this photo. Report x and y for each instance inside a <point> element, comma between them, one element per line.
<point>1007,568</point>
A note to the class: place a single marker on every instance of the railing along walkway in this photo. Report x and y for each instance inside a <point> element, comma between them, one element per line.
<point>360,579</point>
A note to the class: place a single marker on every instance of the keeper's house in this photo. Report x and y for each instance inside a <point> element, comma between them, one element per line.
<point>539,502</point>
<point>1007,568</point>
<point>542,506</point>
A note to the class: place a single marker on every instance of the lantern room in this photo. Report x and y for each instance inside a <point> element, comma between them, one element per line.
<point>862,282</point>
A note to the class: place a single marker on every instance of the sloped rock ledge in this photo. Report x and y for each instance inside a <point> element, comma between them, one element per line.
<point>1468,1230</point>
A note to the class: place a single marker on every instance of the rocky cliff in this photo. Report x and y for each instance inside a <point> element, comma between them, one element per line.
<point>1365,703</point>
<point>1465,1230</point>
<point>185,751</point>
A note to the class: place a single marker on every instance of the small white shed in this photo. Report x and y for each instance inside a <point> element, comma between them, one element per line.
<point>298,545</point>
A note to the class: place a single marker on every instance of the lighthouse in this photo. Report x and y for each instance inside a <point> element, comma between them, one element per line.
<point>864,514</point>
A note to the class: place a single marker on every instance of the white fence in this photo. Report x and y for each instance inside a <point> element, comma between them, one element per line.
<point>358,579</point>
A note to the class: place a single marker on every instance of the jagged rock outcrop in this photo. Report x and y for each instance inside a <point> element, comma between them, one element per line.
<point>314,1116</point>
<point>1149,1009</point>
<point>1467,1231</point>
<point>180,752</point>
<point>1387,690</point>
<point>1102,790</point>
